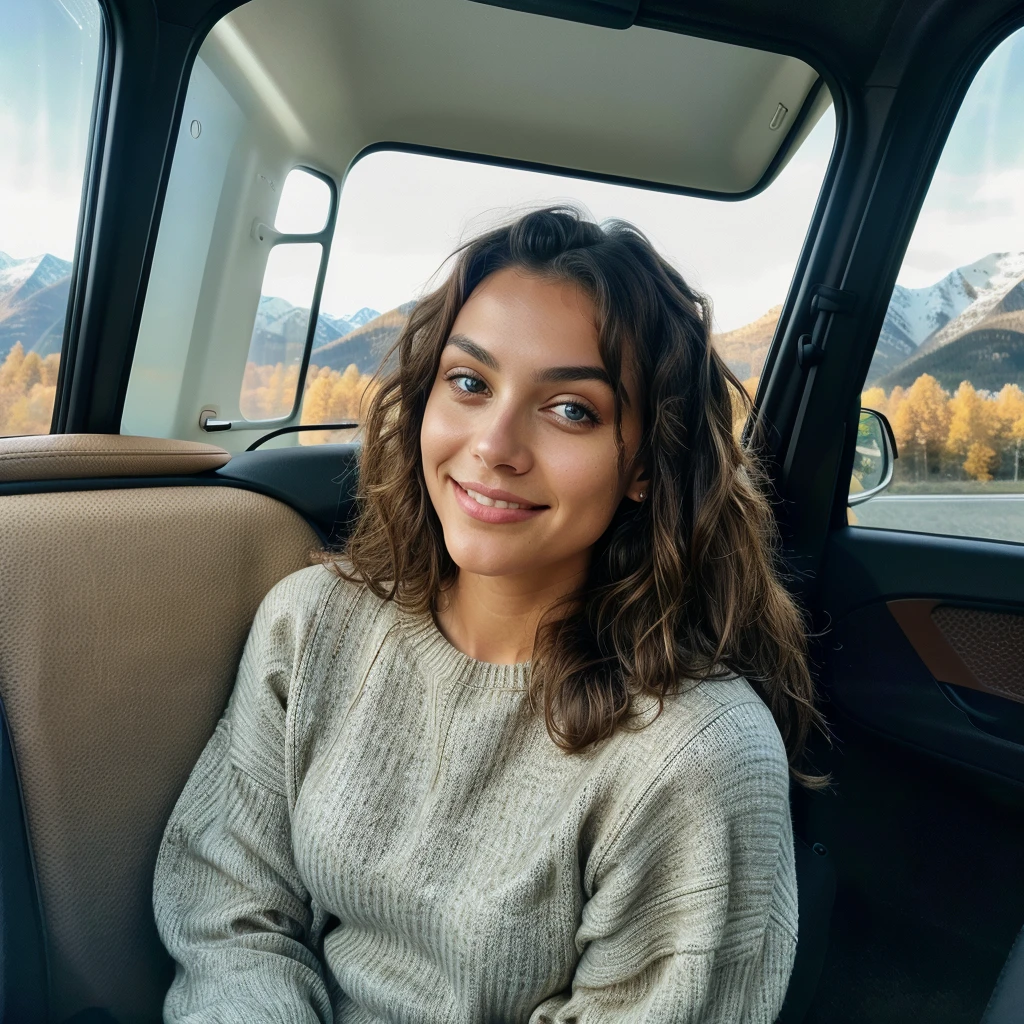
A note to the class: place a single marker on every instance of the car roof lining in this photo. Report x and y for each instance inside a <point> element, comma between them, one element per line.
<point>643,105</point>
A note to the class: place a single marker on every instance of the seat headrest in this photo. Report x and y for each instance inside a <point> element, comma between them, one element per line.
<point>79,456</point>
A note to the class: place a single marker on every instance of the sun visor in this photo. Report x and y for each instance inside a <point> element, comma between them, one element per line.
<point>607,13</point>
<point>633,103</point>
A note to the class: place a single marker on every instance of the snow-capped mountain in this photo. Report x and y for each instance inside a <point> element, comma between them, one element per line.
<point>916,313</point>
<point>967,326</point>
<point>992,279</point>
<point>981,341</point>
<point>34,296</point>
<point>920,320</point>
<point>20,279</point>
<point>33,302</point>
<point>280,317</point>
<point>280,329</point>
<point>363,317</point>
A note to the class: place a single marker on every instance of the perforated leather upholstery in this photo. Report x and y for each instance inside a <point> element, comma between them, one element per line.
<point>123,614</point>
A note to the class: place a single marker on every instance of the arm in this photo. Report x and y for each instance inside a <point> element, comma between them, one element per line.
<point>230,905</point>
<point>693,912</point>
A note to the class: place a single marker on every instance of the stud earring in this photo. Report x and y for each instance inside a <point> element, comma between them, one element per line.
<point>643,494</point>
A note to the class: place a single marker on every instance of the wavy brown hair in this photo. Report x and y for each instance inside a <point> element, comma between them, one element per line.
<point>684,585</point>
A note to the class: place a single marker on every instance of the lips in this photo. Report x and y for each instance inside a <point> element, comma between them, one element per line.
<point>492,513</point>
<point>494,496</point>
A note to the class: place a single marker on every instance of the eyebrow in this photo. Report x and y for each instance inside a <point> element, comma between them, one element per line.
<point>550,375</point>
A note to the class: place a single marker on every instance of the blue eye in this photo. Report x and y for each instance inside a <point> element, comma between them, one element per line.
<point>466,376</point>
<point>583,413</point>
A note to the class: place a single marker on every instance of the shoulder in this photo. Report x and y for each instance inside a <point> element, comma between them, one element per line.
<point>733,735</point>
<point>302,592</point>
<point>711,765</point>
<point>304,606</point>
<point>301,617</point>
<point>309,596</point>
<point>729,757</point>
<point>716,733</point>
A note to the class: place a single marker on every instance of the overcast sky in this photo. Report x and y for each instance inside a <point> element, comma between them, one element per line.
<point>401,214</point>
<point>975,204</point>
<point>48,60</point>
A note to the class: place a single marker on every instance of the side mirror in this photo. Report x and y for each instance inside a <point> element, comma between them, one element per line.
<point>874,457</point>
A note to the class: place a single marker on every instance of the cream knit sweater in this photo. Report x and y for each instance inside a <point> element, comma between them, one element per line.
<point>380,830</point>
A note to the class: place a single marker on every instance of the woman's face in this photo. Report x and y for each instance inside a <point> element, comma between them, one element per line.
<point>519,406</point>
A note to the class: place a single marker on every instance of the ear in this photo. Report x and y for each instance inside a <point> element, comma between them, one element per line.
<point>638,485</point>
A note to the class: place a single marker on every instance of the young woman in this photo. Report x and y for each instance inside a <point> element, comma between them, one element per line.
<point>523,753</point>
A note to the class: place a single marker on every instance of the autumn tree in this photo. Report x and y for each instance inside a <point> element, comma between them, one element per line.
<point>1009,410</point>
<point>973,426</point>
<point>333,397</point>
<point>920,419</point>
<point>874,398</point>
<point>28,385</point>
<point>268,391</point>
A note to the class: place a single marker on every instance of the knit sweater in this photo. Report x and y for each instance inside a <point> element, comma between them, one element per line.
<point>381,830</point>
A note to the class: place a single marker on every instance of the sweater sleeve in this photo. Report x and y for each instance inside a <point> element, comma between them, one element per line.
<point>692,917</point>
<point>229,903</point>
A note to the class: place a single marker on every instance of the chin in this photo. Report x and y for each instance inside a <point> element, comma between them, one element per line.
<point>486,560</point>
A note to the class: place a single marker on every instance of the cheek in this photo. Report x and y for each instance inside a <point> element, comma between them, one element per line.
<point>585,478</point>
<point>440,432</point>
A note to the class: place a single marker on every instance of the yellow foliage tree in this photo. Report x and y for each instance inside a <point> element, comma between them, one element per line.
<point>920,419</point>
<point>973,426</point>
<point>28,385</point>
<point>268,391</point>
<point>979,461</point>
<point>1010,411</point>
<point>874,398</point>
<point>893,402</point>
<point>1010,414</point>
<point>333,397</point>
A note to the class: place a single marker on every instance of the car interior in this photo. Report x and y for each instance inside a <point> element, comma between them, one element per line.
<point>171,476</point>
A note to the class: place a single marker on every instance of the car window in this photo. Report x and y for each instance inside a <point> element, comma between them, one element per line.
<point>948,369</point>
<point>229,302</point>
<point>49,60</point>
<point>402,214</point>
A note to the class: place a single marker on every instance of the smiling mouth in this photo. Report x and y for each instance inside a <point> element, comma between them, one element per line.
<point>482,499</point>
<point>490,510</point>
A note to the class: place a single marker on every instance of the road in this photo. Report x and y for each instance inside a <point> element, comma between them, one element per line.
<point>996,516</point>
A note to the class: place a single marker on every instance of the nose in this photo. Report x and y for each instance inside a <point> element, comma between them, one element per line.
<point>502,438</point>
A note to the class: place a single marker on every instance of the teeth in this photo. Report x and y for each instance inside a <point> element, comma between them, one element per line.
<point>482,499</point>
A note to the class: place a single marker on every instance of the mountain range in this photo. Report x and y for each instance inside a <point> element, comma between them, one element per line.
<point>967,326</point>
<point>34,298</point>
<point>33,303</point>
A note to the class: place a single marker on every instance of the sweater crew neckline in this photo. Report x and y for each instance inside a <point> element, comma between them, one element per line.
<point>448,663</point>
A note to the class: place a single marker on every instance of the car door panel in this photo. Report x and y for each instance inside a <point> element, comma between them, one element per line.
<point>901,605</point>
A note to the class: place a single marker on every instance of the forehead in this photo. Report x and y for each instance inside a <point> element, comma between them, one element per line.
<point>537,316</point>
<point>524,320</point>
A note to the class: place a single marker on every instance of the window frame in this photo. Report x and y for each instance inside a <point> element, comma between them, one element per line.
<point>80,259</point>
<point>263,233</point>
<point>961,80</point>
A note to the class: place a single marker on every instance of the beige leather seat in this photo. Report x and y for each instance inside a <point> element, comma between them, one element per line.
<point>124,610</point>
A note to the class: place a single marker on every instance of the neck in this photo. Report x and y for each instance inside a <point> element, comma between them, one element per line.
<point>495,618</point>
